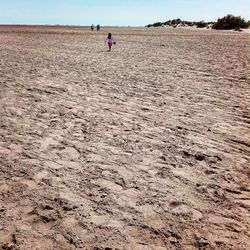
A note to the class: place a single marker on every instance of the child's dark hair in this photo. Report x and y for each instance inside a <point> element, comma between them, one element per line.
<point>109,36</point>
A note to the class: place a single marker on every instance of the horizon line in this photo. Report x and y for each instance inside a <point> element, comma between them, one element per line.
<point>64,25</point>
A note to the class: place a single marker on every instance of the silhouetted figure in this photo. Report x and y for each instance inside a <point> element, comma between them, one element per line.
<point>109,40</point>
<point>98,27</point>
<point>92,27</point>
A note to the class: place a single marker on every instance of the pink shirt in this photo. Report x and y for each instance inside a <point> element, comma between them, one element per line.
<point>109,41</point>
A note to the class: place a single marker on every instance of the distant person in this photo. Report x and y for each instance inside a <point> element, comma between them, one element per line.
<point>109,40</point>
<point>98,27</point>
<point>92,27</point>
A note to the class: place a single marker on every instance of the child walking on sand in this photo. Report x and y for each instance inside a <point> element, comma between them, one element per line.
<point>110,41</point>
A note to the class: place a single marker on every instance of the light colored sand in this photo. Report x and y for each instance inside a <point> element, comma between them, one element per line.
<point>142,148</point>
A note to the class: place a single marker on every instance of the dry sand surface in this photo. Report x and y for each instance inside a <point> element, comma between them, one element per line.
<point>145,147</point>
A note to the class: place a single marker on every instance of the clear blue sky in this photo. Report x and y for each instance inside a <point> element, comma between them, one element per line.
<point>116,12</point>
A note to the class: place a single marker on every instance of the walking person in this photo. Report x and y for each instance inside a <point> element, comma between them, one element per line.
<point>109,40</point>
<point>92,27</point>
<point>98,27</point>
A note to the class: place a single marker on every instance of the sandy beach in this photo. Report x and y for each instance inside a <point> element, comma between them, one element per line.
<point>145,147</point>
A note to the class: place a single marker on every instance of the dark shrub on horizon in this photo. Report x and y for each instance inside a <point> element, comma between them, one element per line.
<point>230,22</point>
<point>158,24</point>
<point>201,24</point>
<point>167,22</point>
<point>176,21</point>
<point>189,23</point>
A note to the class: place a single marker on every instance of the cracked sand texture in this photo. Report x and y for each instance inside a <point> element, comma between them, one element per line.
<point>145,147</point>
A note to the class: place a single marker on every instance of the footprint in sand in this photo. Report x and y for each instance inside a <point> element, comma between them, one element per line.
<point>183,210</point>
<point>70,154</point>
<point>174,204</point>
